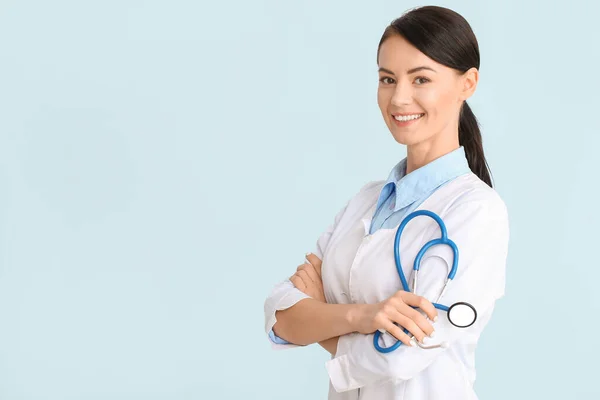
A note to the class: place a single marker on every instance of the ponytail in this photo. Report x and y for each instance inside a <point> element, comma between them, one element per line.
<point>469,136</point>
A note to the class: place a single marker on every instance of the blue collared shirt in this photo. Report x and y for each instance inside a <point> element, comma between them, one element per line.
<point>403,193</point>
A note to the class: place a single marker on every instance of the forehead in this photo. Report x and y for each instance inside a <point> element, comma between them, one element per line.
<point>396,53</point>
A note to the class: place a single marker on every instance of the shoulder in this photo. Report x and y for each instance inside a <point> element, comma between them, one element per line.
<point>469,194</point>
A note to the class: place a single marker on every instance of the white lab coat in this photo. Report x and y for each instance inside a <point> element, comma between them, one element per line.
<point>360,268</point>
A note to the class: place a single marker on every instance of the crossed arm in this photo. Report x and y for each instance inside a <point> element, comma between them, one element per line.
<point>312,320</point>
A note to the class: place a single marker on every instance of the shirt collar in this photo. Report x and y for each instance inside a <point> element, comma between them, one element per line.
<point>422,181</point>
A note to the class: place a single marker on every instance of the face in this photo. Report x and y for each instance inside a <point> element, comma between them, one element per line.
<point>419,98</point>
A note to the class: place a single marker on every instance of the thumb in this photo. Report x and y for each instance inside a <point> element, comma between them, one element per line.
<point>314,261</point>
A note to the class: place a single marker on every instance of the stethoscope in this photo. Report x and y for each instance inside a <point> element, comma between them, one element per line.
<point>460,314</point>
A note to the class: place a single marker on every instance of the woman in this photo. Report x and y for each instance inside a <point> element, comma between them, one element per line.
<point>428,67</point>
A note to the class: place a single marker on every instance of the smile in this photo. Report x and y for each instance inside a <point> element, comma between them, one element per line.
<point>404,118</point>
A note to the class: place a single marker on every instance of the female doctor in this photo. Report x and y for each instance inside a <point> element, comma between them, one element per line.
<point>349,287</point>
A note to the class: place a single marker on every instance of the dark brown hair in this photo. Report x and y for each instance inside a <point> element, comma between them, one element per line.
<point>447,38</point>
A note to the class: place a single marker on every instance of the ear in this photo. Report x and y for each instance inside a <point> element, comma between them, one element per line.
<point>468,83</point>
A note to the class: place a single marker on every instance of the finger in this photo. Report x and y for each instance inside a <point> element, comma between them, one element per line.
<point>425,328</point>
<point>404,321</point>
<point>412,313</point>
<point>420,302</point>
<point>314,261</point>
<point>305,278</point>
<point>297,281</point>
<point>397,332</point>
<point>420,319</point>
<point>312,273</point>
<point>304,266</point>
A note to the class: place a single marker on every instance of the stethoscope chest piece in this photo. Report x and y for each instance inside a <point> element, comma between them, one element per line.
<point>462,315</point>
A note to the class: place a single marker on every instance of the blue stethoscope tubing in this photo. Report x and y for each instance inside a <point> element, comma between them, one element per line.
<point>442,240</point>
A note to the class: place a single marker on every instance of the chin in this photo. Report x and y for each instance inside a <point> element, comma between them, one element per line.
<point>406,138</point>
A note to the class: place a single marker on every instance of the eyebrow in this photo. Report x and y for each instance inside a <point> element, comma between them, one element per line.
<point>410,71</point>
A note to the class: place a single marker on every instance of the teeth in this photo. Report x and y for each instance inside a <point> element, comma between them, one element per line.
<point>404,118</point>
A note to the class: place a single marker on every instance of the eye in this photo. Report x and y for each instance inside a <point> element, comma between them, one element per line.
<point>386,80</point>
<point>423,79</point>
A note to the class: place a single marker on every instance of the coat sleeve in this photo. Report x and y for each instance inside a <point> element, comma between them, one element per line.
<point>284,295</point>
<point>480,231</point>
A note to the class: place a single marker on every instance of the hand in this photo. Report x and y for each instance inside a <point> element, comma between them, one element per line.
<point>308,278</point>
<point>397,309</point>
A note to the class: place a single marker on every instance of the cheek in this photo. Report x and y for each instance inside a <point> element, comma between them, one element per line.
<point>429,99</point>
<point>435,101</point>
<point>382,100</point>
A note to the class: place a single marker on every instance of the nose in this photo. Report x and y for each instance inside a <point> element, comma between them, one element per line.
<point>402,95</point>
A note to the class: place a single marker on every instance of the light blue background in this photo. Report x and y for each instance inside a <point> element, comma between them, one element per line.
<point>146,146</point>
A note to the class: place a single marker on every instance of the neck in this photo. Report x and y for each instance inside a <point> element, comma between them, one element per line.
<point>421,154</point>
